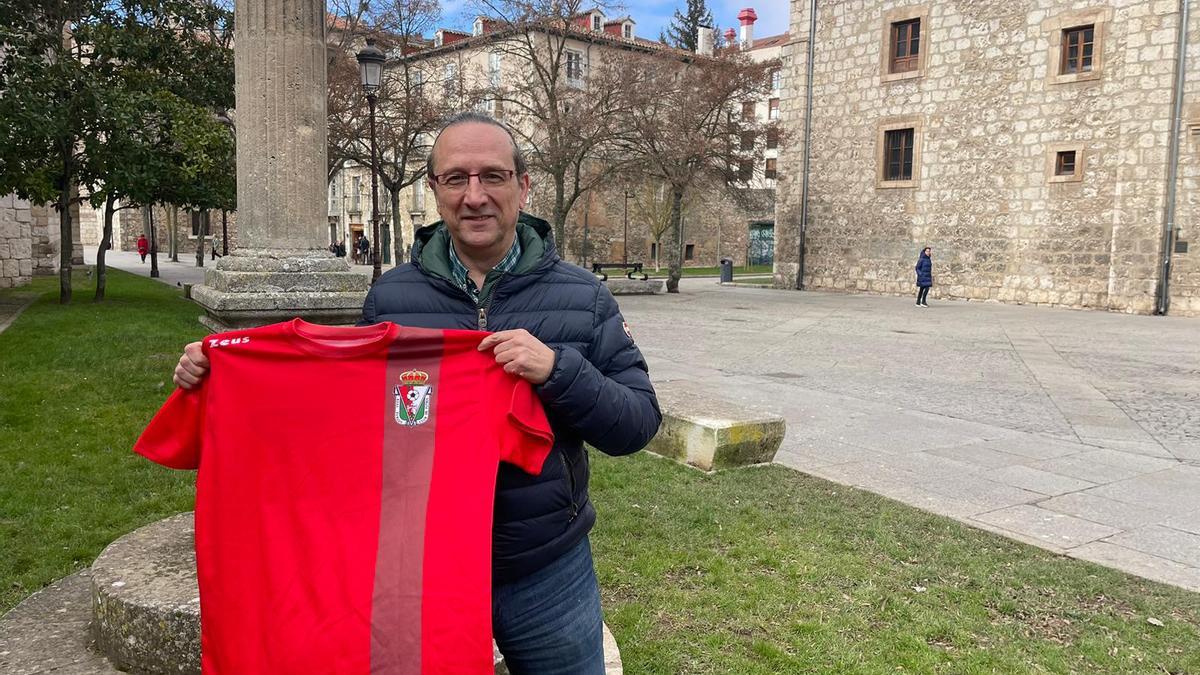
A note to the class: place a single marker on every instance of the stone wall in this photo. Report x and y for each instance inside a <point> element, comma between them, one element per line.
<point>133,224</point>
<point>16,253</point>
<point>989,111</point>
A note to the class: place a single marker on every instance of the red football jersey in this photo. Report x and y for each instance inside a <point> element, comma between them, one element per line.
<point>344,495</point>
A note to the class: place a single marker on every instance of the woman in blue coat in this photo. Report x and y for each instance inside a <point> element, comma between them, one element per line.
<point>924,276</point>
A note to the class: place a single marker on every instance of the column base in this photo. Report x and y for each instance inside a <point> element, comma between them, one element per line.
<point>259,287</point>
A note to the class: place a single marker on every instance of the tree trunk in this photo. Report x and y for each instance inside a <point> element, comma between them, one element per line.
<point>397,227</point>
<point>105,244</point>
<point>153,242</point>
<point>200,238</point>
<point>172,233</point>
<point>675,269</point>
<point>66,242</point>
<point>560,216</point>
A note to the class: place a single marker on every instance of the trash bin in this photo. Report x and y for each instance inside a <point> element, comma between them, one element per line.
<point>726,270</point>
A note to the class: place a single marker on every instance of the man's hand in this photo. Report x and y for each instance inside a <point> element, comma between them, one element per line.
<point>520,353</point>
<point>193,366</point>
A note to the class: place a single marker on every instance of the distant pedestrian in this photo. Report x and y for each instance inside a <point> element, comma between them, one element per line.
<point>143,246</point>
<point>364,250</point>
<point>341,249</point>
<point>213,248</point>
<point>924,276</point>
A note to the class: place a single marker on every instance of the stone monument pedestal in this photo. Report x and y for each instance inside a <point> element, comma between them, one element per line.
<point>136,610</point>
<point>254,288</point>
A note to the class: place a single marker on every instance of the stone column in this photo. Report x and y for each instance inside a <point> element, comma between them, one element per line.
<point>282,267</point>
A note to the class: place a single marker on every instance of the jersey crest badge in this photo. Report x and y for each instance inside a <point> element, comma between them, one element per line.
<point>413,398</point>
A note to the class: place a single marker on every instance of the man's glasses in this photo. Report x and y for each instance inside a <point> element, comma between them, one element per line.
<point>457,180</point>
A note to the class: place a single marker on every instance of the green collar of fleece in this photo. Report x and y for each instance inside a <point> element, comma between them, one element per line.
<point>435,254</point>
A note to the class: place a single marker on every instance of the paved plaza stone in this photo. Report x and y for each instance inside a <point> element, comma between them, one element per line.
<point>1076,431</point>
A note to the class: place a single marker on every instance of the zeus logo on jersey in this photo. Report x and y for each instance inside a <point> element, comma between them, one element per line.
<point>413,398</point>
<point>228,341</point>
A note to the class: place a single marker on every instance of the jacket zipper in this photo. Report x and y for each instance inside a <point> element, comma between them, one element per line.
<point>571,478</point>
<point>483,309</point>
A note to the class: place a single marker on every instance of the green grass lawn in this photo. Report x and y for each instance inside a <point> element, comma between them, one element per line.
<point>762,570</point>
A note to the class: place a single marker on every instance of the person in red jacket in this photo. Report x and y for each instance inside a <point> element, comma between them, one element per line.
<point>143,246</point>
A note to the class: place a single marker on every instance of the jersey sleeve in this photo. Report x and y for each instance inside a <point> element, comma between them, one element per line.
<point>173,436</point>
<point>526,437</point>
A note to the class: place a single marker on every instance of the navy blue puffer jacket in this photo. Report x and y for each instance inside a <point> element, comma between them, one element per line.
<point>598,393</point>
<point>924,270</point>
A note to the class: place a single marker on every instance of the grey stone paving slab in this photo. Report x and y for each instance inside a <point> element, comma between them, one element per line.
<point>1076,466</point>
<point>1132,462</point>
<point>1104,511</point>
<point>1034,446</point>
<point>1045,482</point>
<point>987,494</point>
<point>1175,490</point>
<point>1057,530</point>
<point>1188,522</point>
<point>826,453</point>
<point>979,455</point>
<point>1142,564</point>
<point>1165,542</point>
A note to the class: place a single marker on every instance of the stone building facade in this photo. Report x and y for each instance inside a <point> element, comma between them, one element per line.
<point>1037,135</point>
<point>16,252</point>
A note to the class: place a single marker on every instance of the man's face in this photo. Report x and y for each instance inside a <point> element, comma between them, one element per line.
<point>480,217</point>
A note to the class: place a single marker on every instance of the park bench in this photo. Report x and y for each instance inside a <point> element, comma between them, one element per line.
<point>710,433</point>
<point>631,269</point>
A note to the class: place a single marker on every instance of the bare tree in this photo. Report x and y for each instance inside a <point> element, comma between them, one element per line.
<point>563,103</point>
<point>653,201</point>
<point>686,126</point>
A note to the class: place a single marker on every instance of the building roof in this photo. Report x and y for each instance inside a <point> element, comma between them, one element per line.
<point>575,31</point>
<point>769,41</point>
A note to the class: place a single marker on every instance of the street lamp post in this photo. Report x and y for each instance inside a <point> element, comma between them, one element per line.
<point>625,246</point>
<point>224,118</point>
<point>370,66</point>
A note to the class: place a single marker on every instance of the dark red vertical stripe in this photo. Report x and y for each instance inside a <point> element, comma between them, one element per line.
<point>407,466</point>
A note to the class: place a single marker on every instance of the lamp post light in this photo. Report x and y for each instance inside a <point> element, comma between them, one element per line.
<point>224,118</point>
<point>370,66</point>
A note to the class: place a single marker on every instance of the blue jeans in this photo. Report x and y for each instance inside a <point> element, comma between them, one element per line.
<point>550,622</point>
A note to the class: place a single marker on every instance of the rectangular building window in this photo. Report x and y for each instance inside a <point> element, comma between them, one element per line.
<point>898,154</point>
<point>905,45</point>
<point>745,170</point>
<point>574,65</point>
<point>1078,49</point>
<point>1064,164</point>
<point>627,31</point>
<point>494,69</point>
<point>773,109</point>
<point>450,79</point>
<point>776,79</point>
<point>772,138</point>
<point>689,252</point>
<point>418,196</point>
<point>654,250</point>
<point>747,110</point>
<point>747,140</point>
<point>770,170</point>
<point>597,23</point>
